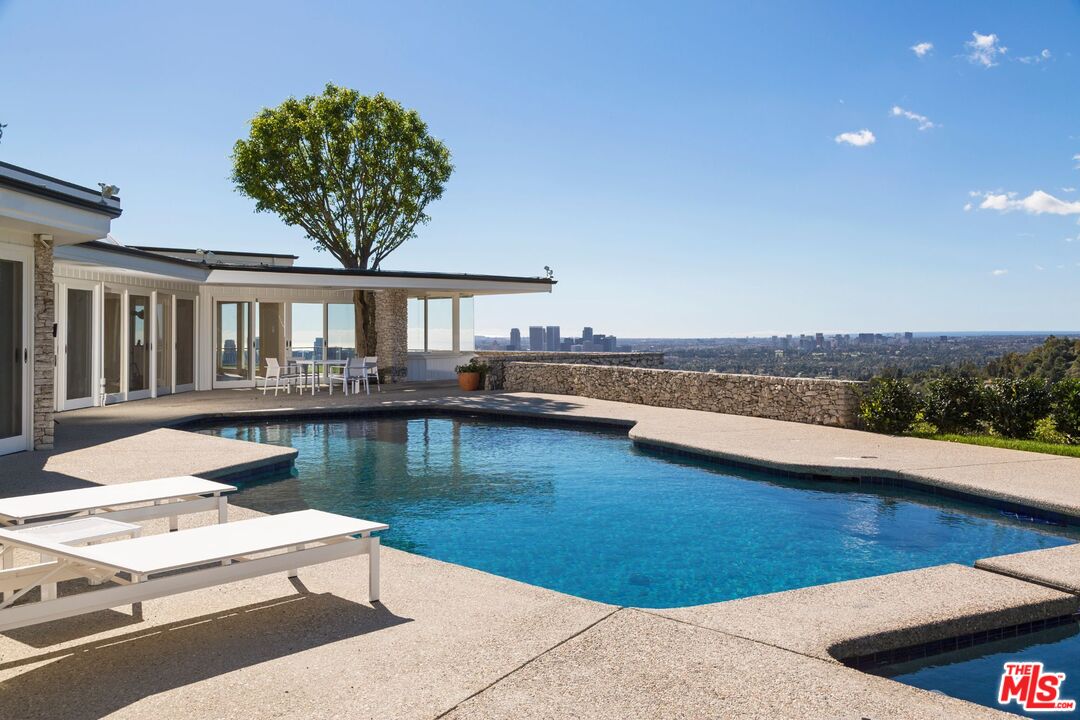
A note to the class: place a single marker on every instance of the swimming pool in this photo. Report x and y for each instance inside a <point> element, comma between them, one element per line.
<point>586,512</point>
<point>974,674</point>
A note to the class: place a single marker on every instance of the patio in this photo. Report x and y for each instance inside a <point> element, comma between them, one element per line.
<point>451,641</point>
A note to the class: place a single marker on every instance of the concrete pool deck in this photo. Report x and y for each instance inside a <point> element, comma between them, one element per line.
<point>451,641</point>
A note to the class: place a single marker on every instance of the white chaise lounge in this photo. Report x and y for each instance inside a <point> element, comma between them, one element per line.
<point>171,497</point>
<point>170,563</point>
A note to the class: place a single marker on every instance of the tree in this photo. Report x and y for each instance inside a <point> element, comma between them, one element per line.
<point>356,173</point>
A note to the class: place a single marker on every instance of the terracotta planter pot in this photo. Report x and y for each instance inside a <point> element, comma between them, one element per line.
<point>468,381</point>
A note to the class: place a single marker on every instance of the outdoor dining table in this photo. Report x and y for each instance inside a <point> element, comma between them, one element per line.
<point>311,367</point>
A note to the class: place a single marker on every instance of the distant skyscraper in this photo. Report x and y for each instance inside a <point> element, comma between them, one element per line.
<point>586,335</point>
<point>515,339</point>
<point>553,340</point>
<point>536,338</point>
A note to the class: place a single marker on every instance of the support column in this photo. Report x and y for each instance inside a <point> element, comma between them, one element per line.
<point>392,334</point>
<point>44,343</point>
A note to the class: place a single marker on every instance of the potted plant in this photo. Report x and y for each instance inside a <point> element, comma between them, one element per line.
<point>471,374</point>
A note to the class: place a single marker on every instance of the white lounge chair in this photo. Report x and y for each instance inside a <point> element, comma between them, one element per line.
<point>171,497</point>
<point>97,513</point>
<point>171,563</point>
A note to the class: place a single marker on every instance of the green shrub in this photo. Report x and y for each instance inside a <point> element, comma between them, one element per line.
<point>954,403</point>
<point>473,366</point>
<point>890,406</point>
<point>1047,432</point>
<point>1066,412</point>
<point>1015,405</point>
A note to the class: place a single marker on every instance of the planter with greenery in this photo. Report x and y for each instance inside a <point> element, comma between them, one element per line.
<point>471,375</point>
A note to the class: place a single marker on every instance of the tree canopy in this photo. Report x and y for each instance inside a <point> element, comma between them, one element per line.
<point>355,172</point>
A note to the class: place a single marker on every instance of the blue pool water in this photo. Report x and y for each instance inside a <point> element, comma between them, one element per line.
<point>588,513</point>
<point>975,673</point>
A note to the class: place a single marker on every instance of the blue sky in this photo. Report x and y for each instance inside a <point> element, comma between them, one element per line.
<point>676,164</point>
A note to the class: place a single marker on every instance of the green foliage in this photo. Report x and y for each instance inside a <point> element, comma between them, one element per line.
<point>1014,406</point>
<point>1046,432</point>
<point>355,172</point>
<point>1066,412</point>
<point>890,406</point>
<point>473,366</point>
<point>1056,359</point>
<point>1009,443</point>
<point>954,403</point>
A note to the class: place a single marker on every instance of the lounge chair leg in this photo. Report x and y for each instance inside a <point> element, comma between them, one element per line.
<point>136,608</point>
<point>373,569</point>
<point>295,548</point>
<point>48,590</point>
<point>7,561</point>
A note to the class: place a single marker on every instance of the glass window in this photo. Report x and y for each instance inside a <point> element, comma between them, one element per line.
<point>163,341</point>
<point>307,331</point>
<point>138,342</point>
<point>185,341</point>
<point>80,344</point>
<point>11,348</point>
<point>440,317</point>
<point>113,339</point>
<point>467,332</point>
<point>416,324</point>
<point>340,331</point>
<point>232,341</point>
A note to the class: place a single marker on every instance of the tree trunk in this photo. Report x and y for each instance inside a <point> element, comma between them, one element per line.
<point>364,322</point>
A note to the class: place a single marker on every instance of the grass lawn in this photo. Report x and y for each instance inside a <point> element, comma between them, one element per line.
<point>995,441</point>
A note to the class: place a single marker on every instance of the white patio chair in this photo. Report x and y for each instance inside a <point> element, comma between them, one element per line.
<point>371,370</point>
<point>277,374</point>
<point>350,376</point>
<point>154,566</point>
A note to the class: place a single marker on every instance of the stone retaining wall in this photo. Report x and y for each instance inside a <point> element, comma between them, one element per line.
<point>498,360</point>
<point>805,400</point>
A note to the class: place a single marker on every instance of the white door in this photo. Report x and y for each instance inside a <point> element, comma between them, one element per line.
<point>78,380</point>
<point>16,343</point>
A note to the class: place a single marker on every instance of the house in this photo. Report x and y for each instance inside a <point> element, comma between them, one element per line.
<point>85,320</point>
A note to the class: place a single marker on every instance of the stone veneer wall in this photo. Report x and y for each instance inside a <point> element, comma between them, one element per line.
<point>805,400</point>
<point>497,361</point>
<point>392,334</point>
<point>44,343</point>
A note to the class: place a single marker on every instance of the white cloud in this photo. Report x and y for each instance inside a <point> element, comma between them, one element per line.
<point>999,273</point>
<point>922,49</point>
<point>968,207</point>
<point>1035,59</point>
<point>1068,189</point>
<point>1076,159</point>
<point>862,138</point>
<point>1040,268</point>
<point>1037,203</point>
<point>924,122</point>
<point>984,49</point>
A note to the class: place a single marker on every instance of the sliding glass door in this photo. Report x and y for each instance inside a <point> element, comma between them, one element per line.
<point>269,335</point>
<point>185,344</point>
<point>76,355</point>
<point>15,336</point>
<point>163,343</point>
<point>138,344</point>
<point>232,351</point>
